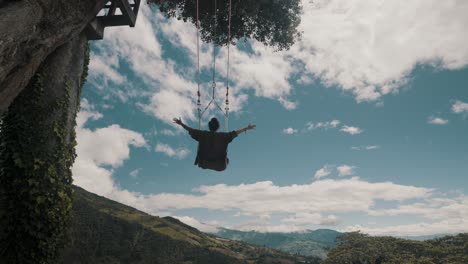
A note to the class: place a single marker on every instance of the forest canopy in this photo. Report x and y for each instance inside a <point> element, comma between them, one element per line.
<point>272,22</point>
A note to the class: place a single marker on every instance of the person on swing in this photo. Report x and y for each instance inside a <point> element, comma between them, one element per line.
<point>212,145</point>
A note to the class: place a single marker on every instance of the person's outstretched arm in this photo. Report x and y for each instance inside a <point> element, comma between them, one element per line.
<point>194,133</point>
<point>249,127</point>
<point>180,123</point>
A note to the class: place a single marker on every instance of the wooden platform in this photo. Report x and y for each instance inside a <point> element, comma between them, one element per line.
<point>114,13</point>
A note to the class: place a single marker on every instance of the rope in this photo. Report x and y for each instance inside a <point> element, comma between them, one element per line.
<point>198,65</point>
<point>213,98</point>
<point>226,116</point>
<point>214,47</point>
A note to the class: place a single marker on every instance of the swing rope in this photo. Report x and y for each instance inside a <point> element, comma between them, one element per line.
<point>226,116</point>
<point>198,71</point>
<point>213,84</point>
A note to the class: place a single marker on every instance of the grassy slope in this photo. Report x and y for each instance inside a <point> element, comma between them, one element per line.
<point>104,231</point>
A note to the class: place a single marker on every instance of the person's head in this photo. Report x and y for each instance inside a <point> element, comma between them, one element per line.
<point>213,125</point>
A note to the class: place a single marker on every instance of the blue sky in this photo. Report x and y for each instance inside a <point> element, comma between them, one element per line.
<point>360,125</point>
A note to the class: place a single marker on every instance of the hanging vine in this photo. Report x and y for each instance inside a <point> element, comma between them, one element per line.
<point>37,150</point>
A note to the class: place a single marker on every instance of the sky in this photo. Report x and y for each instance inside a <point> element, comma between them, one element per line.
<point>361,125</point>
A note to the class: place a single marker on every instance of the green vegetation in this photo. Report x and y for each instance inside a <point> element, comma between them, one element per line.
<point>360,248</point>
<point>37,151</point>
<point>274,23</point>
<point>308,243</point>
<point>104,231</point>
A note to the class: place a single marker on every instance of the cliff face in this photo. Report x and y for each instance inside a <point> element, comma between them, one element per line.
<point>30,30</point>
<point>37,140</point>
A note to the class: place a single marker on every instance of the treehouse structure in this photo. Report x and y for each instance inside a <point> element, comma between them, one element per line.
<point>114,13</point>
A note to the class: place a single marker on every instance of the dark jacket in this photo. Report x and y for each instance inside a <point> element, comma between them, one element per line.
<point>212,148</point>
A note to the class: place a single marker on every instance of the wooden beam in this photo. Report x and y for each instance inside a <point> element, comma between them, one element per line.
<point>95,30</point>
<point>127,12</point>
<point>113,21</point>
<point>136,7</point>
<point>112,8</point>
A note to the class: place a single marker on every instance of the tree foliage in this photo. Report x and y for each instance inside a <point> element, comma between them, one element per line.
<point>272,22</point>
<point>359,248</point>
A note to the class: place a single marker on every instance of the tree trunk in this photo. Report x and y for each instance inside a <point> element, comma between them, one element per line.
<point>37,149</point>
<point>32,29</point>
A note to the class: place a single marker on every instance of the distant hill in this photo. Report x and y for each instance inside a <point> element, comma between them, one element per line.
<point>104,231</point>
<point>356,247</point>
<point>307,243</point>
<point>423,238</point>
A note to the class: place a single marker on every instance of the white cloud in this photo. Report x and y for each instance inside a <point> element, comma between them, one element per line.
<point>93,144</point>
<point>108,146</point>
<point>437,121</point>
<point>323,172</point>
<point>289,105</point>
<point>105,146</point>
<point>351,130</point>
<point>323,125</point>
<point>347,44</point>
<point>167,104</point>
<point>105,67</point>
<point>448,226</point>
<point>168,132</point>
<point>370,147</point>
<point>433,208</point>
<point>305,80</point>
<point>267,228</point>
<point>302,219</point>
<point>265,198</point>
<point>460,107</point>
<point>204,227</point>
<point>318,203</point>
<point>134,173</point>
<point>179,153</point>
<point>352,44</point>
<point>345,170</point>
<point>264,71</point>
<point>332,125</point>
<point>289,131</point>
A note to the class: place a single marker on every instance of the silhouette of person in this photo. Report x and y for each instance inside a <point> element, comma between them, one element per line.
<point>212,145</point>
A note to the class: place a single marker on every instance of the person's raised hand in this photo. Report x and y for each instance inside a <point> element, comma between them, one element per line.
<point>250,126</point>
<point>177,121</point>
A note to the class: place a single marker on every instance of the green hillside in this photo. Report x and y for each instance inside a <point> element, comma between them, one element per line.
<point>104,231</point>
<point>360,248</point>
<point>307,243</point>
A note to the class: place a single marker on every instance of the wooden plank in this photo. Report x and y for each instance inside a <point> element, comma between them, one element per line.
<point>136,7</point>
<point>112,8</point>
<point>127,12</point>
<point>113,21</point>
<point>95,29</point>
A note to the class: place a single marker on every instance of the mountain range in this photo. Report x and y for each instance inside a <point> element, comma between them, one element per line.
<point>306,243</point>
<point>107,232</point>
<point>104,231</point>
